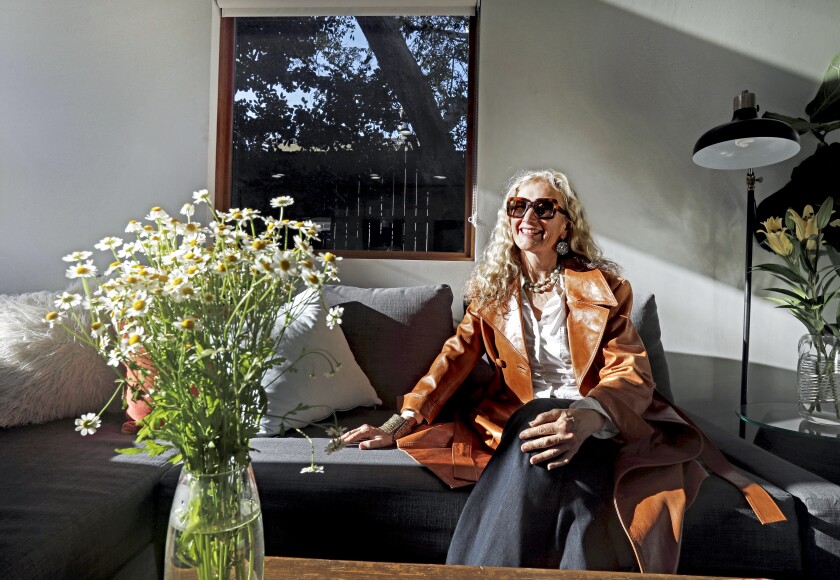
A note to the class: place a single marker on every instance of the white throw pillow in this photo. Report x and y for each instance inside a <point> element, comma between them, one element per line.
<point>45,374</point>
<point>310,382</point>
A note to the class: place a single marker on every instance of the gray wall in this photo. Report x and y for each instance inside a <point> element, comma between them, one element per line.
<point>105,110</point>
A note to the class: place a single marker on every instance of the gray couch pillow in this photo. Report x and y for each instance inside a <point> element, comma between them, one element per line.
<point>646,320</point>
<point>394,333</point>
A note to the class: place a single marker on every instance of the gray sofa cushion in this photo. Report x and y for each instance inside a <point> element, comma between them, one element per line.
<point>646,320</point>
<point>394,333</point>
<point>71,507</point>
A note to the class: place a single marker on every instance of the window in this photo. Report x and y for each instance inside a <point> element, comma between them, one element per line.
<point>365,120</point>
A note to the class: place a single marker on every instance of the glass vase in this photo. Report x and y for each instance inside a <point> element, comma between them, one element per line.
<point>215,527</point>
<point>818,378</point>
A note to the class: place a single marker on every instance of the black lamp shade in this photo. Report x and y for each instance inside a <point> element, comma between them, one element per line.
<point>746,142</point>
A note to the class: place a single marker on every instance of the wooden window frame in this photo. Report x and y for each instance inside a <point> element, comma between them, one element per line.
<point>224,147</point>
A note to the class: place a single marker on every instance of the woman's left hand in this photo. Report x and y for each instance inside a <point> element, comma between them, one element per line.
<point>559,433</point>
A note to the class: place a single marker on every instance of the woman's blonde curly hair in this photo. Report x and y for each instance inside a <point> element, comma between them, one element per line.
<point>496,276</point>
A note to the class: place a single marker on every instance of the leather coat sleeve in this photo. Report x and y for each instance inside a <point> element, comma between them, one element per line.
<point>625,382</point>
<point>458,357</point>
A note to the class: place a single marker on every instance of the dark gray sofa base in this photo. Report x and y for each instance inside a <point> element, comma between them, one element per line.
<point>98,510</point>
<point>70,507</point>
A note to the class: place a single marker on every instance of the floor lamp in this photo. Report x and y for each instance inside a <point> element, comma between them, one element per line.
<point>746,142</point>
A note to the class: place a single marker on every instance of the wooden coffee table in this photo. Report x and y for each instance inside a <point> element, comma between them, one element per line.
<point>299,568</point>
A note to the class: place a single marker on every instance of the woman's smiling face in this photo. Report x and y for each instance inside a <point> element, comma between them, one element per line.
<point>532,234</point>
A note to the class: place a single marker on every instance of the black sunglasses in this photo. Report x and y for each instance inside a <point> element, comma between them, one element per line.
<point>544,207</point>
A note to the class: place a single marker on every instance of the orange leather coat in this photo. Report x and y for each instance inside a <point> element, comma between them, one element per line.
<point>658,470</point>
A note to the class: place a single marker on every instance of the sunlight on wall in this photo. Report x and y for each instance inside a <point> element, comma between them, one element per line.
<point>759,29</point>
<point>702,316</point>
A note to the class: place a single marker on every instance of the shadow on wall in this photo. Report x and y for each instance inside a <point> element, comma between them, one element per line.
<point>711,386</point>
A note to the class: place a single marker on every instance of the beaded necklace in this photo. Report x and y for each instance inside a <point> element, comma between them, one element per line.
<point>544,285</point>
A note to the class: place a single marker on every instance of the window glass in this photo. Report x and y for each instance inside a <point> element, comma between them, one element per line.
<point>363,120</point>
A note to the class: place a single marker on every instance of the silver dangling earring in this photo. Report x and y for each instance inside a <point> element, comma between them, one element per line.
<point>562,247</point>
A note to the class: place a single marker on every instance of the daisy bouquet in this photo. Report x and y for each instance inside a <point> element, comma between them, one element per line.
<point>194,312</point>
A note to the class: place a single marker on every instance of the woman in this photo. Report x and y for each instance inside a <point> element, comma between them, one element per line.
<point>591,468</point>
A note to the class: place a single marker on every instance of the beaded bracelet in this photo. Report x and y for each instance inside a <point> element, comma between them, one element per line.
<point>397,426</point>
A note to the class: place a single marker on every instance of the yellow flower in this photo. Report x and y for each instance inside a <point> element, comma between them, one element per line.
<point>806,226</point>
<point>779,242</point>
<point>772,225</point>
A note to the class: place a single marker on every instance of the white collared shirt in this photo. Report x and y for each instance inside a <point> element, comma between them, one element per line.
<point>547,342</point>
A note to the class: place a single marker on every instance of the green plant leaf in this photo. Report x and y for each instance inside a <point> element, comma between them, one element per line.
<point>824,213</point>
<point>786,302</point>
<point>833,255</point>
<point>788,274</point>
<point>826,104</point>
<point>130,450</point>
<point>793,291</point>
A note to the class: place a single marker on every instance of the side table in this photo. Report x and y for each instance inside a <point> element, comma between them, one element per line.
<point>783,432</point>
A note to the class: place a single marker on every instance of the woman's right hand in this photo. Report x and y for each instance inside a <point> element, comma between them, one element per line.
<point>369,437</point>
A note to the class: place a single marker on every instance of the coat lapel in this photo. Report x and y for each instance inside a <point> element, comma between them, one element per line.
<point>589,298</point>
<point>510,325</point>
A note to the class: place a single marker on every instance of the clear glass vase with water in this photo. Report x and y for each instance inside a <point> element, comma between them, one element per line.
<point>215,528</point>
<point>818,378</point>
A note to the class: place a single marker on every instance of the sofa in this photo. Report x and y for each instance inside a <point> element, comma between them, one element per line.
<point>70,507</point>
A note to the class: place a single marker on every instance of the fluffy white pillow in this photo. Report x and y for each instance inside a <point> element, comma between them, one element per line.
<point>44,373</point>
<point>310,382</point>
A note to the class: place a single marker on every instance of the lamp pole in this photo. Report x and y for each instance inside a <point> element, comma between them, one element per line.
<point>745,349</point>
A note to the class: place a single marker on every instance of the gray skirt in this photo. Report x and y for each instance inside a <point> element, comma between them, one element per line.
<point>523,515</point>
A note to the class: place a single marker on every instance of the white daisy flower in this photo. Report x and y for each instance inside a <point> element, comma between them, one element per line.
<point>140,304</point>
<point>113,267</point>
<point>184,291</point>
<point>134,227</point>
<point>115,357</point>
<point>282,201</point>
<point>67,301</point>
<point>334,316</point>
<point>77,256</point>
<point>97,329</point>
<point>86,270</point>
<point>335,444</point>
<point>284,266</point>
<point>187,323</point>
<point>131,341</point>
<point>335,432</point>
<point>157,213</point>
<point>52,318</point>
<point>313,469</point>
<point>128,250</point>
<point>88,424</point>
<point>201,196</point>
<point>328,258</point>
<point>311,278</point>
<point>108,243</point>
<point>188,209</point>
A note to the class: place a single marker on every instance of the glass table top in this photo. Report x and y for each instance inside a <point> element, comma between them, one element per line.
<point>785,417</point>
